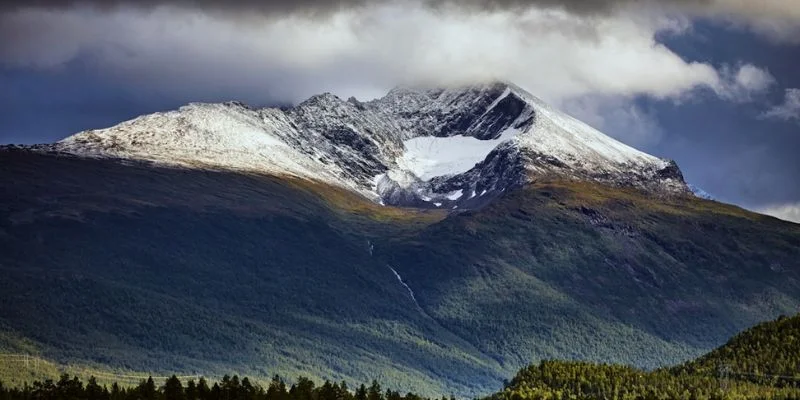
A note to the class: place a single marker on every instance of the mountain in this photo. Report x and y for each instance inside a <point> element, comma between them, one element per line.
<point>342,239</point>
<point>449,148</point>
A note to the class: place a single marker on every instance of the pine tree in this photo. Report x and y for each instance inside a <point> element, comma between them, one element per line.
<point>361,393</point>
<point>216,392</point>
<point>173,389</point>
<point>147,389</point>
<point>374,392</point>
<point>327,391</point>
<point>191,390</point>
<point>69,389</point>
<point>302,390</point>
<point>277,389</point>
<point>247,391</point>
<point>116,392</point>
<point>94,391</point>
<point>203,391</point>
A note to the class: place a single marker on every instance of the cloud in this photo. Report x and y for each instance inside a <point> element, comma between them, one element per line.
<point>591,65</point>
<point>740,85</point>
<point>789,110</point>
<point>553,53</point>
<point>787,212</point>
<point>323,6</point>
<point>785,11</point>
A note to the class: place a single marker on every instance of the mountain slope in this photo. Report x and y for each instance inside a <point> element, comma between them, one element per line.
<point>690,272</point>
<point>155,269</point>
<point>144,267</point>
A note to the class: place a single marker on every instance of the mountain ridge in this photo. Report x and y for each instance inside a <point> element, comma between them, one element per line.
<point>428,148</point>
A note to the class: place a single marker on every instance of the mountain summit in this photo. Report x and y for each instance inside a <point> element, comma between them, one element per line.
<point>427,148</point>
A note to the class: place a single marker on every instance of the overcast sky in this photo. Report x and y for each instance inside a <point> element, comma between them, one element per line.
<point>713,84</point>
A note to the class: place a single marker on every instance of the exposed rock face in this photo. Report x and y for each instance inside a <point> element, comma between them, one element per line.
<point>430,148</point>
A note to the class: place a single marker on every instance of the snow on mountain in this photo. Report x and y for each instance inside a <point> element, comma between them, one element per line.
<point>698,192</point>
<point>454,147</point>
<point>429,156</point>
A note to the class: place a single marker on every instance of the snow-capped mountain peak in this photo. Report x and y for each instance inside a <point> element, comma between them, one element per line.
<point>445,147</point>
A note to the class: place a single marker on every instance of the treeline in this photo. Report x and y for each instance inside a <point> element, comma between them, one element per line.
<point>549,380</point>
<point>229,388</point>
<point>580,380</point>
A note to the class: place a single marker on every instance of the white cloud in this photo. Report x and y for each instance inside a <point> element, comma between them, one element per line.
<point>592,65</point>
<point>787,212</point>
<point>790,109</point>
<point>743,83</point>
<point>554,54</point>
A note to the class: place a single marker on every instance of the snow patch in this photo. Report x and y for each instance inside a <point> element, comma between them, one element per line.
<point>428,157</point>
<point>455,195</point>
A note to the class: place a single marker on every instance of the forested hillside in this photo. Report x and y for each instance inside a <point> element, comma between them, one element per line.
<point>752,350</point>
<point>769,353</point>
<point>131,266</point>
<point>760,363</point>
<point>766,349</point>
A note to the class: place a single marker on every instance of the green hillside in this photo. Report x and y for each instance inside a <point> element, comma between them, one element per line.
<point>769,353</point>
<point>588,381</point>
<point>136,267</point>
<point>760,363</point>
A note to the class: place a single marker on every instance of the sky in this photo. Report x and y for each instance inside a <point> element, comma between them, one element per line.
<point>712,84</point>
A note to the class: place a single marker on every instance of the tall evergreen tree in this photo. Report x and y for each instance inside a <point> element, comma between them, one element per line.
<point>147,389</point>
<point>216,392</point>
<point>374,392</point>
<point>277,389</point>
<point>191,390</point>
<point>247,391</point>
<point>303,389</point>
<point>116,392</point>
<point>361,393</point>
<point>173,389</point>
<point>94,391</point>
<point>203,391</point>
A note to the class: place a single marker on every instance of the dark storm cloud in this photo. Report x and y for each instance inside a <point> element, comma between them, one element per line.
<point>267,6</point>
<point>324,6</point>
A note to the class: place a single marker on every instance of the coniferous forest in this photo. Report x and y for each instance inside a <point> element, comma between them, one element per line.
<point>760,363</point>
<point>228,388</point>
